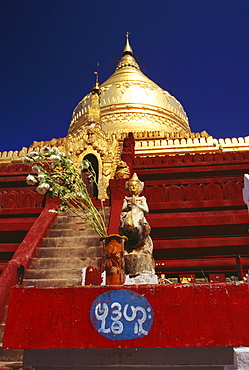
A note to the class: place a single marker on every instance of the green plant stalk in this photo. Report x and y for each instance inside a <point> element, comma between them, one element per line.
<point>98,224</point>
<point>62,179</point>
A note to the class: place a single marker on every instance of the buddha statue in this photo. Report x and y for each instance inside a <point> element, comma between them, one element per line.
<point>133,224</point>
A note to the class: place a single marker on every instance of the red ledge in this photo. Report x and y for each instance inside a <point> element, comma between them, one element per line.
<point>194,315</point>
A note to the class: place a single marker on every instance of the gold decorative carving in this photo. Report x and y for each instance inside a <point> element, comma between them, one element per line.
<point>104,146</point>
<point>146,118</point>
<point>122,170</point>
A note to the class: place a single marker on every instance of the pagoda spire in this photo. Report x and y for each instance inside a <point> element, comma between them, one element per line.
<point>94,115</point>
<point>127,59</point>
<point>95,88</point>
<point>127,48</point>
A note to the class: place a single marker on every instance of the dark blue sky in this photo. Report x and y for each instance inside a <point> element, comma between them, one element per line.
<point>198,50</point>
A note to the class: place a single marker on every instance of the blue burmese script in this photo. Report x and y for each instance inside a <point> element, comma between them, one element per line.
<point>121,315</point>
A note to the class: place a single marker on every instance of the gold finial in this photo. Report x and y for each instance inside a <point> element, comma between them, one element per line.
<point>127,59</point>
<point>127,49</point>
<point>94,109</point>
<point>97,78</point>
<point>96,85</point>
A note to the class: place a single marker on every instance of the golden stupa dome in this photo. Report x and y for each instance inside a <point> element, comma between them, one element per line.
<point>130,101</point>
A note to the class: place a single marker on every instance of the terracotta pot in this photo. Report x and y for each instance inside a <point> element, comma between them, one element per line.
<point>113,259</point>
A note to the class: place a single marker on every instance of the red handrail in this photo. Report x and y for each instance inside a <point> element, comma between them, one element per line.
<point>24,252</point>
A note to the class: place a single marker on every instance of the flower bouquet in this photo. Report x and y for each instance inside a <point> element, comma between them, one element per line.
<point>57,175</point>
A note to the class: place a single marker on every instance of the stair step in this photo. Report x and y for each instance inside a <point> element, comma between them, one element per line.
<point>52,282</point>
<point>2,327</point>
<point>73,219</point>
<point>53,273</point>
<point>67,225</point>
<point>69,246</point>
<point>10,365</point>
<point>71,232</point>
<point>11,355</point>
<point>72,241</point>
<point>56,252</point>
<point>64,263</point>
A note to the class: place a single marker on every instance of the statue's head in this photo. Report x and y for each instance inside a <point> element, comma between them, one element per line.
<point>134,186</point>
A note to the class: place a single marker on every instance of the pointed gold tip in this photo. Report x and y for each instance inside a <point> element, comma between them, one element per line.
<point>127,49</point>
<point>96,85</point>
<point>127,59</point>
<point>97,78</point>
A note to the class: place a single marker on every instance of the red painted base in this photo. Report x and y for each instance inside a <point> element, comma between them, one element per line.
<point>194,315</point>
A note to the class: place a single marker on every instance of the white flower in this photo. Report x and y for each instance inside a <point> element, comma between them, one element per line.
<point>55,158</point>
<point>85,165</point>
<point>33,154</point>
<point>27,160</point>
<point>68,161</point>
<point>43,188</point>
<point>61,153</point>
<point>55,176</point>
<point>37,159</point>
<point>31,180</point>
<point>41,176</point>
<point>53,211</point>
<point>46,150</point>
<point>36,168</point>
<point>55,150</point>
<point>80,195</point>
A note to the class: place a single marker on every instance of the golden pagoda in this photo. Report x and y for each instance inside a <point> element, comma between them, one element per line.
<point>131,102</point>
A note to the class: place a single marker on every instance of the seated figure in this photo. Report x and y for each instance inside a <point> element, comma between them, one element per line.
<point>133,223</point>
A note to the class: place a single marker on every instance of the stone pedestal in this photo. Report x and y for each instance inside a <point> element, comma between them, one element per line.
<point>139,269</point>
<point>138,263</point>
<point>241,358</point>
